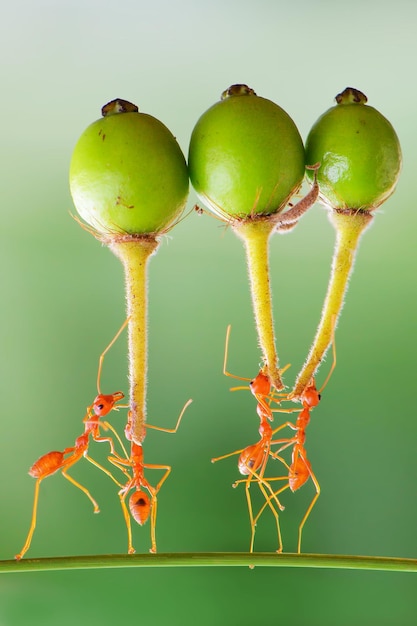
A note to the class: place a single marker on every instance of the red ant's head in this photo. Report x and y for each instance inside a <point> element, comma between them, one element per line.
<point>103,404</point>
<point>260,385</point>
<point>310,397</point>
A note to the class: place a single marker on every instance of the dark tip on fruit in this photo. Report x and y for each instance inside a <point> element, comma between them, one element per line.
<point>118,106</point>
<point>237,90</point>
<point>350,95</point>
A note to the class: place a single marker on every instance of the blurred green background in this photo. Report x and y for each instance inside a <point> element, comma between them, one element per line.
<point>63,301</point>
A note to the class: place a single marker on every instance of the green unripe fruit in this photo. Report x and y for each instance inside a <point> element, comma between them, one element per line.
<point>358,151</point>
<point>246,156</point>
<point>128,174</point>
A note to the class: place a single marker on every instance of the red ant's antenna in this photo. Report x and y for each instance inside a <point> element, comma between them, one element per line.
<point>104,403</point>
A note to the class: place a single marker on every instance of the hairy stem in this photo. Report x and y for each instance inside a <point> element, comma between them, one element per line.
<point>135,254</point>
<point>214,559</point>
<point>255,235</point>
<point>349,228</point>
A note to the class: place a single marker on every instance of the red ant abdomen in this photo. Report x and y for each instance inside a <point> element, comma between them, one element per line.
<point>47,464</point>
<point>140,506</point>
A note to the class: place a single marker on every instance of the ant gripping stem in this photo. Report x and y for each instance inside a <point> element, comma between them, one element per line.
<point>55,461</point>
<point>143,502</point>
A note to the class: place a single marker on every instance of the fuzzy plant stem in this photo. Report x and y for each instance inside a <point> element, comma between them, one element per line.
<point>215,559</point>
<point>134,255</point>
<point>349,227</point>
<point>255,235</point>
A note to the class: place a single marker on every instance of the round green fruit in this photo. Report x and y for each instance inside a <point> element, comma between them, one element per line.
<point>358,151</point>
<point>128,174</point>
<point>246,156</point>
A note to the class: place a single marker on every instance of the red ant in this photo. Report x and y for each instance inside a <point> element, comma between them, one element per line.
<point>54,461</point>
<point>253,459</point>
<point>252,463</point>
<point>141,504</point>
<point>300,469</point>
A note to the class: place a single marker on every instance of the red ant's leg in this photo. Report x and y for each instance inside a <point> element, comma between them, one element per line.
<point>108,426</point>
<point>122,495</point>
<point>154,492</point>
<point>265,482</point>
<point>167,469</point>
<point>45,466</point>
<point>154,508</point>
<point>28,541</point>
<point>121,464</point>
<point>226,456</point>
<point>268,502</point>
<point>171,430</point>
<point>103,469</point>
<point>83,489</point>
<point>310,508</point>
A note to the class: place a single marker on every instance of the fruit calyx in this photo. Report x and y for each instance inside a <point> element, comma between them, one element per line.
<point>350,95</point>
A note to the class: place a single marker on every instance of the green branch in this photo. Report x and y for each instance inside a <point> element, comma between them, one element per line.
<point>214,559</point>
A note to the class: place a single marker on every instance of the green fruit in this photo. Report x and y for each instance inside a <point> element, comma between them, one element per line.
<point>358,151</point>
<point>128,174</point>
<point>246,156</point>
